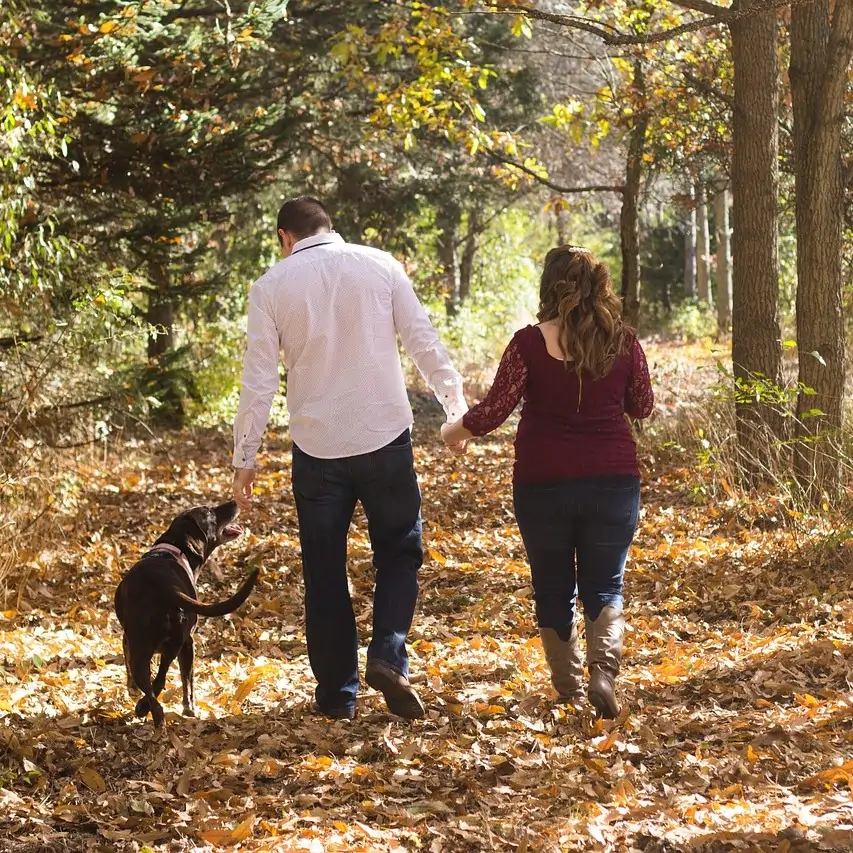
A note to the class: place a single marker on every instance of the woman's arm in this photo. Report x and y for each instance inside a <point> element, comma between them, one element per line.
<point>500,402</point>
<point>639,397</point>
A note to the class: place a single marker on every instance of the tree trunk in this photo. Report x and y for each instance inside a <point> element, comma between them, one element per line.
<point>160,374</point>
<point>562,217</point>
<point>690,248</point>
<point>820,55</point>
<point>469,251</point>
<point>448,227</point>
<point>629,232</point>
<point>724,259</point>
<point>756,345</point>
<point>160,313</point>
<point>703,253</point>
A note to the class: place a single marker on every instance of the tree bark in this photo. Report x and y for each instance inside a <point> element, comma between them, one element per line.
<point>562,217</point>
<point>724,259</point>
<point>629,231</point>
<point>469,251</point>
<point>821,48</point>
<point>756,344</point>
<point>160,313</point>
<point>161,377</point>
<point>703,254</point>
<point>448,227</point>
<point>690,247</point>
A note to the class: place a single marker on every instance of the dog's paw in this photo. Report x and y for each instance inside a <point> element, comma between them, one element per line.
<point>142,708</point>
<point>189,712</point>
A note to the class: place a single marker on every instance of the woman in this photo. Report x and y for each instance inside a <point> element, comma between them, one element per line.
<point>576,486</point>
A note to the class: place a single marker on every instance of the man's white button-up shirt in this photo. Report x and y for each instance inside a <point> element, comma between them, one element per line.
<point>333,310</point>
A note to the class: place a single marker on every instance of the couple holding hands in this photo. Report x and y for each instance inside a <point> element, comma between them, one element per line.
<point>331,311</point>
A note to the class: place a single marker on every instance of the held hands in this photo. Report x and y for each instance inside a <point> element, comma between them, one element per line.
<point>243,479</point>
<point>450,435</point>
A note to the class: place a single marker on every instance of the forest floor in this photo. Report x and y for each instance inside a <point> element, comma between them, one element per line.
<point>737,732</point>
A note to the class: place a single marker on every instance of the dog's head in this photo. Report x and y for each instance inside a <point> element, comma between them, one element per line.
<point>202,529</point>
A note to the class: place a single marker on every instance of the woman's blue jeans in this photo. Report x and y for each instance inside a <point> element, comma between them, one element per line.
<point>577,534</point>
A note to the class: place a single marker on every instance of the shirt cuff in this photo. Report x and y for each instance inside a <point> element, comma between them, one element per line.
<point>453,402</point>
<point>242,460</point>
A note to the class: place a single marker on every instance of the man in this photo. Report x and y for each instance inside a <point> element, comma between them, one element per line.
<point>333,310</point>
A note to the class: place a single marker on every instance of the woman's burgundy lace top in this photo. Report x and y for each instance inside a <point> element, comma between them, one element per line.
<point>569,428</point>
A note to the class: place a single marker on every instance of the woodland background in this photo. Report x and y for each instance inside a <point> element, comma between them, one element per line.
<point>703,150</point>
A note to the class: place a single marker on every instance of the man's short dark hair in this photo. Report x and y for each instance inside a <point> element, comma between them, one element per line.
<point>302,217</point>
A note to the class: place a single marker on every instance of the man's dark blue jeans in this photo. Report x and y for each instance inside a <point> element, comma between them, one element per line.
<point>326,492</point>
<point>577,534</point>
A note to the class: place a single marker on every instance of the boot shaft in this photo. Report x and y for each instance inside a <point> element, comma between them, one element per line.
<point>604,638</point>
<point>564,661</point>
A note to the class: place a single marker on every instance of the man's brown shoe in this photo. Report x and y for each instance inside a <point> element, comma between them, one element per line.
<point>400,696</point>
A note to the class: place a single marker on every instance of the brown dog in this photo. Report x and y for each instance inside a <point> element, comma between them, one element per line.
<point>157,607</point>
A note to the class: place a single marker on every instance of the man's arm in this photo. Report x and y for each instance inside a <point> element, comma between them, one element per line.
<point>260,382</point>
<point>422,343</point>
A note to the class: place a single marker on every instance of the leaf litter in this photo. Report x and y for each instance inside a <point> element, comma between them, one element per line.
<point>736,733</point>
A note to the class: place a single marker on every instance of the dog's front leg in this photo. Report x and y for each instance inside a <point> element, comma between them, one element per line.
<point>185,661</point>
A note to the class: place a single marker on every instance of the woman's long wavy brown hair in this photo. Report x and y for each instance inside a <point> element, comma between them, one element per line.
<point>576,290</point>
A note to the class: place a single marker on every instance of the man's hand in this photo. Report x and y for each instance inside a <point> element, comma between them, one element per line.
<point>454,446</point>
<point>243,479</point>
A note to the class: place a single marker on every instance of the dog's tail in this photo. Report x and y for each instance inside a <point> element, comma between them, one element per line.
<point>220,608</point>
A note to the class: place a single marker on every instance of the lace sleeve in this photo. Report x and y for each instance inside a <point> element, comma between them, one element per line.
<point>639,397</point>
<point>503,396</point>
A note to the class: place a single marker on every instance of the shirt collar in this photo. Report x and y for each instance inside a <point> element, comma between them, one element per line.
<point>316,240</point>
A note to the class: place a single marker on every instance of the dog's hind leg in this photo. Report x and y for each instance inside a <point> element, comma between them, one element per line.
<point>185,661</point>
<point>132,689</point>
<point>140,667</point>
<point>167,654</point>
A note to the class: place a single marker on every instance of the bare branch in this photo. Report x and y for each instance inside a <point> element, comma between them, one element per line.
<point>609,35</point>
<point>713,15</point>
<point>712,10</point>
<point>605,188</point>
<point>708,89</point>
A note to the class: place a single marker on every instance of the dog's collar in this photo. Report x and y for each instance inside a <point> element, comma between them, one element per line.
<point>178,554</point>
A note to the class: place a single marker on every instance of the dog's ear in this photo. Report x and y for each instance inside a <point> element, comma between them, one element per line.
<point>197,546</point>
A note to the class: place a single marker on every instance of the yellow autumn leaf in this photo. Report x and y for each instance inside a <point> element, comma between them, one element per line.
<point>92,779</point>
<point>437,557</point>
<point>107,26</point>
<point>244,690</point>
<point>244,830</point>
